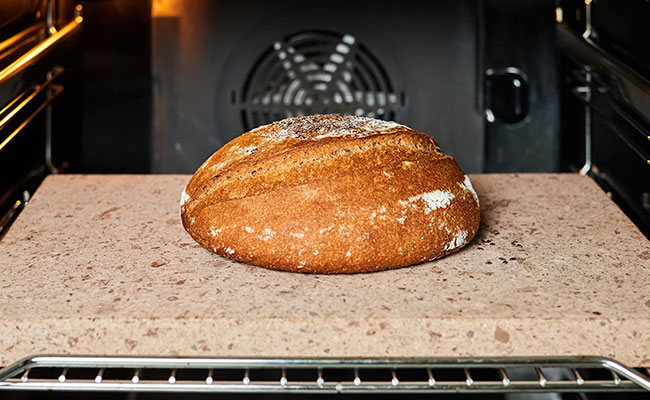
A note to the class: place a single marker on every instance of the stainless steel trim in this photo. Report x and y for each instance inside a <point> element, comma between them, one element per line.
<point>16,376</point>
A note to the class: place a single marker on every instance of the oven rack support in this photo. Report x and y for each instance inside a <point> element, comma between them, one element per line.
<point>298,375</point>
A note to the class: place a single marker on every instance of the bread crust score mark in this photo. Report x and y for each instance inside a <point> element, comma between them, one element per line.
<point>331,194</point>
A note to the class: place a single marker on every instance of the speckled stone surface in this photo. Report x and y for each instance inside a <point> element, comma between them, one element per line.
<point>102,265</point>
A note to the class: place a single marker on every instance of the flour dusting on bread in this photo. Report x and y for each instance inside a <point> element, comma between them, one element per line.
<point>467,185</point>
<point>435,200</point>
<point>266,234</point>
<point>459,240</point>
<point>184,197</point>
<point>327,126</point>
<point>432,200</point>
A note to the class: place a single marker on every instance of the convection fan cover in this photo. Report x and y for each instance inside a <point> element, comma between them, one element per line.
<point>317,72</point>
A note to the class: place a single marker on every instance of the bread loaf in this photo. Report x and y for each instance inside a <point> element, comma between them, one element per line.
<point>331,194</point>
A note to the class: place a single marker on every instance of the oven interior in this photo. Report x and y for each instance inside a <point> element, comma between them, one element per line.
<point>157,87</point>
<point>116,86</point>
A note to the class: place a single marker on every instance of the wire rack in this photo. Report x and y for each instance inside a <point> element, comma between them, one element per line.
<point>404,375</point>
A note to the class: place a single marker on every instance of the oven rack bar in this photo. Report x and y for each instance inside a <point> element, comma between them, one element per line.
<point>37,51</point>
<point>298,375</point>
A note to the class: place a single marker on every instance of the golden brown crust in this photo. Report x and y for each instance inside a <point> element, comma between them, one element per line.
<point>331,194</point>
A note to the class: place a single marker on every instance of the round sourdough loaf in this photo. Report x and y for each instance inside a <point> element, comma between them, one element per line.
<point>331,194</point>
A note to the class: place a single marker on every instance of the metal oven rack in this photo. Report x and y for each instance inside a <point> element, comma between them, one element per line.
<point>29,86</point>
<point>403,375</point>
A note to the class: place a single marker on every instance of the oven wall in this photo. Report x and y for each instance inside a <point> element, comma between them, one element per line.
<point>204,52</point>
<point>116,87</point>
<point>519,36</point>
<point>164,81</point>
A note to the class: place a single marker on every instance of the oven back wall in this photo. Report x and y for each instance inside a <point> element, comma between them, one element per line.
<point>116,87</point>
<point>221,68</point>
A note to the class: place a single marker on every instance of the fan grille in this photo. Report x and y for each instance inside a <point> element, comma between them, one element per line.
<point>317,72</point>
